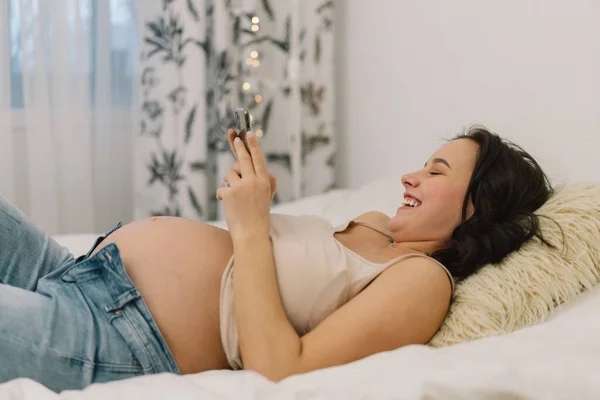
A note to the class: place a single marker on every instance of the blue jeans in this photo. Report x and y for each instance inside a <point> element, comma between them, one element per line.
<point>67,322</point>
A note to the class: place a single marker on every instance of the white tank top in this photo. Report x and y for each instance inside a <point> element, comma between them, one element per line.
<point>316,275</point>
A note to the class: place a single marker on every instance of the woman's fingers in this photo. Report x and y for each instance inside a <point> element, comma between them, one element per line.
<point>272,178</point>
<point>231,135</point>
<point>258,159</point>
<point>244,158</point>
<point>232,178</point>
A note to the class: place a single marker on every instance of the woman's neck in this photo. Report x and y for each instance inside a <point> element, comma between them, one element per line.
<point>426,248</point>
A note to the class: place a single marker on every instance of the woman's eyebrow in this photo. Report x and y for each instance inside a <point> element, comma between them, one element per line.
<point>440,160</point>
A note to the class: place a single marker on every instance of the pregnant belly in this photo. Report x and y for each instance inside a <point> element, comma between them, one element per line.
<point>177,266</point>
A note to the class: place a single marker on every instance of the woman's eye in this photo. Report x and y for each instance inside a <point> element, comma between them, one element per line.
<point>434,173</point>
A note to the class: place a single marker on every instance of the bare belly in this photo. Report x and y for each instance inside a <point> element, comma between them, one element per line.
<point>177,266</point>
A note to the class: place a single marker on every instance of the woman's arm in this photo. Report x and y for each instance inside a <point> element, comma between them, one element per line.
<point>406,304</point>
<point>268,342</point>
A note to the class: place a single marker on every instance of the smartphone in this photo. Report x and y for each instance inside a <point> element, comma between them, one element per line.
<point>242,122</point>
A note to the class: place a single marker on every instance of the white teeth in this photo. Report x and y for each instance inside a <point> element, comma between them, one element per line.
<point>410,202</point>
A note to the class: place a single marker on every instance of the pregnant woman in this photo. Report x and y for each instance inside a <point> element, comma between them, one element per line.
<point>277,294</point>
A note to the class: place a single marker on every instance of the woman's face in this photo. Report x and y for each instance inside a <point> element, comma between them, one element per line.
<point>439,189</point>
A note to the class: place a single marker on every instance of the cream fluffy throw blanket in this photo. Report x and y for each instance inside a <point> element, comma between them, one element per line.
<point>526,286</point>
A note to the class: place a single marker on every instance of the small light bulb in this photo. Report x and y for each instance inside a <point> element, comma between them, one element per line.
<point>249,61</point>
<point>256,63</point>
<point>255,20</point>
<point>255,28</point>
<point>259,133</point>
<point>254,54</point>
<point>246,86</point>
<point>258,98</point>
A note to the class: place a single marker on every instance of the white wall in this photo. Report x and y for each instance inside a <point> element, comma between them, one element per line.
<point>411,72</point>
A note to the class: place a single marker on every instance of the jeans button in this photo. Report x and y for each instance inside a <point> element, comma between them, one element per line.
<point>118,312</point>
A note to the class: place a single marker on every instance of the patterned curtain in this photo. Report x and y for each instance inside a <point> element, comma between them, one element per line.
<point>201,59</point>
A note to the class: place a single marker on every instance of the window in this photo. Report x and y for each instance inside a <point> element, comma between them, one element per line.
<point>86,16</point>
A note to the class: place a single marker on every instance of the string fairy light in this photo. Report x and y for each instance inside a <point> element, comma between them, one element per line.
<point>253,61</point>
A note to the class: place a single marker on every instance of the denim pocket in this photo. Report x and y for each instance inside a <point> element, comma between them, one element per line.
<point>109,300</point>
<point>116,300</point>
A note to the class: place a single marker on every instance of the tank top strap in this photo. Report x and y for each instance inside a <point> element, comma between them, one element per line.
<point>345,225</point>
<point>372,226</point>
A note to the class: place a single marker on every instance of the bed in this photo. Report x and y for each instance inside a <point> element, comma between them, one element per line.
<point>559,359</point>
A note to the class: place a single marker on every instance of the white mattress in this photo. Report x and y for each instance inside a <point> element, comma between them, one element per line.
<point>559,359</point>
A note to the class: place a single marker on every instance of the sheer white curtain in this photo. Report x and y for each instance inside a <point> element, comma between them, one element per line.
<point>68,71</point>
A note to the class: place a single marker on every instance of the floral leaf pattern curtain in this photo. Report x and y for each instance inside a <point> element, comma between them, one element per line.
<point>200,60</point>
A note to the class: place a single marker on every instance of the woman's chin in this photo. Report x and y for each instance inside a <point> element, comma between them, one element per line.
<point>405,209</point>
<point>406,217</point>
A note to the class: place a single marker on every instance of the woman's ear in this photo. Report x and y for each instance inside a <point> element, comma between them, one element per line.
<point>470,208</point>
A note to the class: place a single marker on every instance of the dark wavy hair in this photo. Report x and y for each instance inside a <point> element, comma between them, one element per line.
<point>506,188</point>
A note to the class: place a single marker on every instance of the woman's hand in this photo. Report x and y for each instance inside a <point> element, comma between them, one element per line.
<point>236,165</point>
<point>247,198</point>
<point>272,179</point>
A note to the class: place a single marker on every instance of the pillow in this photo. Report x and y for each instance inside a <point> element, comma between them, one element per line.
<point>526,287</point>
<point>384,194</point>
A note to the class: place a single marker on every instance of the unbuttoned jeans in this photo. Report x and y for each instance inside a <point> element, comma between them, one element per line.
<point>69,322</point>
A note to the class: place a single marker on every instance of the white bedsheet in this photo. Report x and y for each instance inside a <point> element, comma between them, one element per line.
<point>556,360</point>
<point>559,359</point>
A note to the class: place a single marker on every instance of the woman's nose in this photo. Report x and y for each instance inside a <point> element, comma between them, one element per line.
<point>410,180</point>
